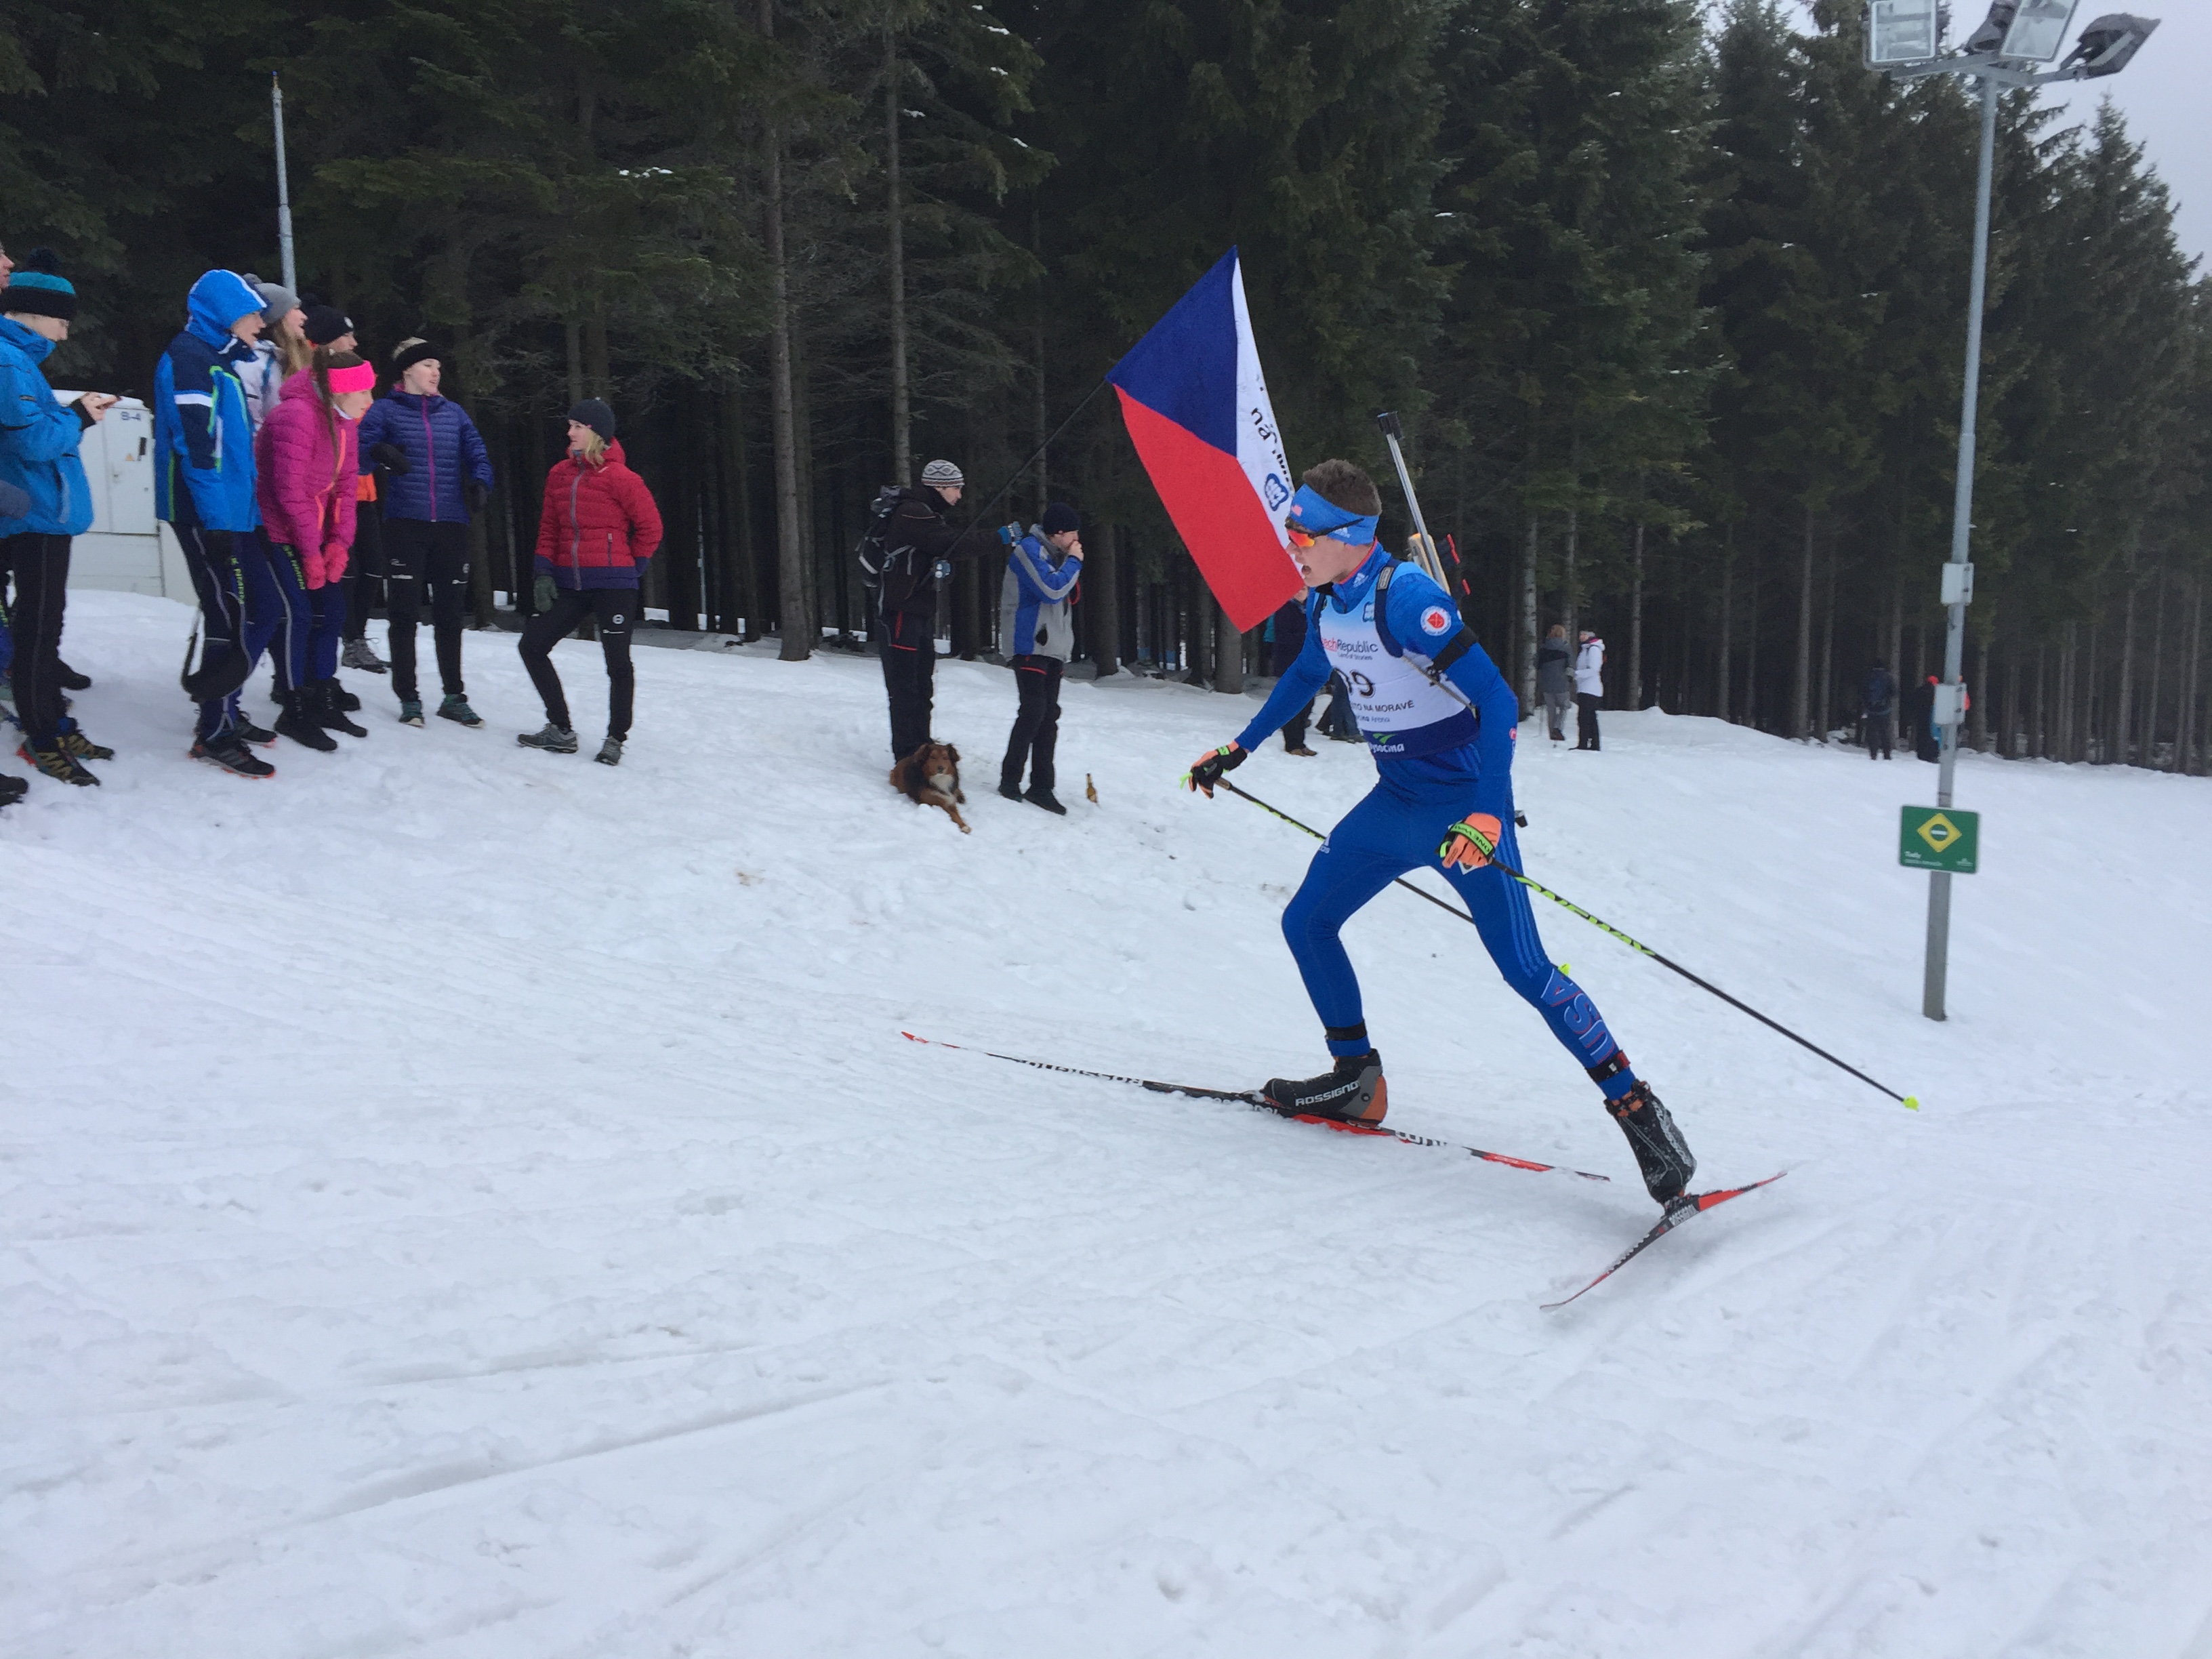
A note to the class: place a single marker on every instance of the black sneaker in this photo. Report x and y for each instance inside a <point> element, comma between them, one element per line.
<point>1660,1153</point>
<point>58,763</point>
<point>247,731</point>
<point>224,750</point>
<point>70,679</point>
<point>1011,791</point>
<point>1352,1092</point>
<point>12,789</point>
<point>1044,798</point>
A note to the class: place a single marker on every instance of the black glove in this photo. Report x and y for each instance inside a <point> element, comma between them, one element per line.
<point>477,492</point>
<point>392,458</point>
<point>1207,771</point>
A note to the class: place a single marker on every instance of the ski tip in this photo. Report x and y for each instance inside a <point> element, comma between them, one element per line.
<point>1913,1103</point>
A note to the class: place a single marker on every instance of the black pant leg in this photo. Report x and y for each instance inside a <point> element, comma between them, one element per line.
<point>615,608</point>
<point>1294,729</point>
<point>539,635</point>
<point>41,564</point>
<point>1585,720</point>
<point>1045,745</point>
<point>212,560</point>
<point>909,658</point>
<point>448,595</point>
<point>1029,696</point>
<point>406,546</point>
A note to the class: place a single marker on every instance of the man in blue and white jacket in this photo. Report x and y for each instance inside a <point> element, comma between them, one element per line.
<point>204,488</point>
<point>1037,633</point>
<point>1441,724</point>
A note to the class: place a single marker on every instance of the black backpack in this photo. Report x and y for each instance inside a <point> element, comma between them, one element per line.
<point>892,575</point>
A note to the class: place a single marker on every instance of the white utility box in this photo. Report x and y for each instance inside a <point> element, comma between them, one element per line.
<point>126,550</point>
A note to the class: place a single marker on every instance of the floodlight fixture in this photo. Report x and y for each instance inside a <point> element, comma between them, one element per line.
<point>1903,31</point>
<point>2106,44</point>
<point>2037,30</point>
<point>1990,35</point>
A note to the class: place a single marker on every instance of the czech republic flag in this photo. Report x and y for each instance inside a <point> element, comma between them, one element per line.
<point>1197,408</point>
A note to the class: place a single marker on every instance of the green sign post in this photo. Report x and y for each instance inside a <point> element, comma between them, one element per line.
<point>1939,838</point>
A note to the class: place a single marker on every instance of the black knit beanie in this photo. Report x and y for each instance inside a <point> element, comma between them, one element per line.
<point>1059,517</point>
<point>325,324</point>
<point>408,353</point>
<point>597,416</point>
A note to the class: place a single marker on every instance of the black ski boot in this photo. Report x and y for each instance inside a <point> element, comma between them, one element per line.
<point>298,721</point>
<point>328,709</point>
<point>1660,1153</point>
<point>1352,1091</point>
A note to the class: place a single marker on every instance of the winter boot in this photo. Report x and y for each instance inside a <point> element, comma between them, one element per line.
<point>58,763</point>
<point>70,679</point>
<point>342,700</point>
<point>1354,1091</point>
<point>298,723</point>
<point>226,750</point>
<point>1660,1153</point>
<point>1047,799</point>
<point>455,707</point>
<point>410,712</point>
<point>1011,791</point>
<point>610,752</point>
<point>12,789</point>
<point>328,711</point>
<point>358,654</point>
<point>553,740</point>
<point>73,741</point>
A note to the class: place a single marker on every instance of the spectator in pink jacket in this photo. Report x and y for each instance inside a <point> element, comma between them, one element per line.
<point>306,458</point>
<point>598,528</point>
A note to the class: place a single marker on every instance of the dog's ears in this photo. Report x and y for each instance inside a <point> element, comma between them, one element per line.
<point>953,752</point>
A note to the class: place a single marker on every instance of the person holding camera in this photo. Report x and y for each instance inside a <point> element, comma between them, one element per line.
<point>1043,569</point>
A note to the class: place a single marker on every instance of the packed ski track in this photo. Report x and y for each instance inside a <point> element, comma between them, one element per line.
<point>465,1202</point>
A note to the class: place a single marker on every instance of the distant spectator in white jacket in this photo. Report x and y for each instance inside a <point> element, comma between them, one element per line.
<point>1590,687</point>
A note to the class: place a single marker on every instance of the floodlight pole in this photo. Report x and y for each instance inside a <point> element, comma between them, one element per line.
<point>1951,698</point>
<point>1948,712</point>
<point>283,187</point>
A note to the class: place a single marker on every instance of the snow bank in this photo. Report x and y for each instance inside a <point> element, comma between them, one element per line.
<point>466,1201</point>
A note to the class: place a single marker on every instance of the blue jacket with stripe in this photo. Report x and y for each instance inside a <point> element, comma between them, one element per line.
<point>1033,600</point>
<point>202,427</point>
<point>38,441</point>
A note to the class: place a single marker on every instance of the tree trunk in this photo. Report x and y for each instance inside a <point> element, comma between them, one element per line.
<point>1526,643</point>
<point>1728,621</point>
<point>1801,710</point>
<point>795,619</point>
<point>2122,713</point>
<point>894,241</point>
<point>1101,598</point>
<point>1636,607</point>
<point>1826,706</point>
<point>2147,744</point>
<point>1751,638</point>
<point>1042,414</point>
<point>2039,738</point>
<point>1896,641</point>
<point>1228,652</point>
<point>2184,723</point>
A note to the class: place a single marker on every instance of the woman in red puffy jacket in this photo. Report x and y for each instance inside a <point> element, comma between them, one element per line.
<point>599,527</point>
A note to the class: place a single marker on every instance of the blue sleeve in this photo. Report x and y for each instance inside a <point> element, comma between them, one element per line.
<point>1304,678</point>
<point>1473,676</point>
<point>192,396</point>
<point>1037,575</point>
<point>39,429</point>
<point>474,456</point>
<point>372,432</point>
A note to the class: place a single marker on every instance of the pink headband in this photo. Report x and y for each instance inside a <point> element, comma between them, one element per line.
<point>359,378</point>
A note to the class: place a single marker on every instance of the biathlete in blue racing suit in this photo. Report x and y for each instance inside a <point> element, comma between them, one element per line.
<point>1443,725</point>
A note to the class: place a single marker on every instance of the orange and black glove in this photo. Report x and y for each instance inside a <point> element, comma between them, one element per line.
<point>1207,771</point>
<point>1469,843</point>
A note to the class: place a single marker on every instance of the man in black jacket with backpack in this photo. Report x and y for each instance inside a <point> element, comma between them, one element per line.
<point>917,533</point>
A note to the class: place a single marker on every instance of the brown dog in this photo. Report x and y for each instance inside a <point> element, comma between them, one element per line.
<point>931,777</point>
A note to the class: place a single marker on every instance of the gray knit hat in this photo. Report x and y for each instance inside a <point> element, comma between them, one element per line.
<point>276,299</point>
<point>942,473</point>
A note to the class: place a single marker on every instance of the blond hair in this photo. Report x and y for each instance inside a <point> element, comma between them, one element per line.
<point>594,447</point>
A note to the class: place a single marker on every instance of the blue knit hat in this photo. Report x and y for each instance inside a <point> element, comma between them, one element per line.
<point>39,287</point>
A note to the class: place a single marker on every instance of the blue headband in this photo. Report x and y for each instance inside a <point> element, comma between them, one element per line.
<point>1318,515</point>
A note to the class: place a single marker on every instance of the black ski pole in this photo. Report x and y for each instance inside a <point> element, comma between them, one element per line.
<point>1637,945</point>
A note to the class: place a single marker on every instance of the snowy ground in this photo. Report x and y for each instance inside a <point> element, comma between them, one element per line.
<point>469,1202</point>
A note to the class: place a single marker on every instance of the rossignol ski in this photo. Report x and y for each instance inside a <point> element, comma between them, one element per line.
<point>1254,1099</point>
<point>1688,1207</point>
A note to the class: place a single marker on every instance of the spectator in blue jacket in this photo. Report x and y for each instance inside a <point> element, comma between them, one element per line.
<point>50,502</point>
<point>1038,632</point>
<point>204,487</point>
<point>439,473</point>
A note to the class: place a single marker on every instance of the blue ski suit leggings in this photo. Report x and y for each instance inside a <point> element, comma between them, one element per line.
<point>1399,827</point>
